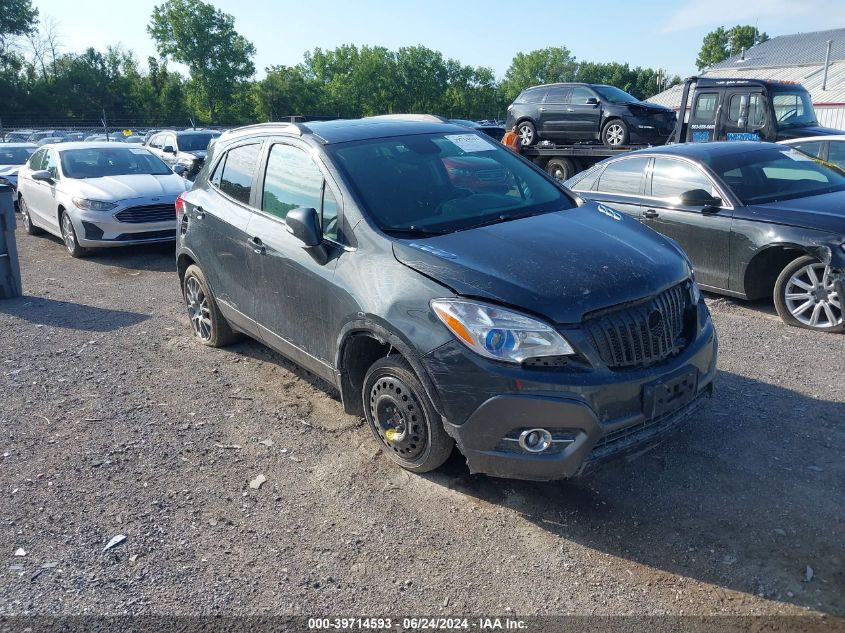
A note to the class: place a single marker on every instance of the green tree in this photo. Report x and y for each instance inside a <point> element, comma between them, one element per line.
<point>722,43</point>
<point>17,17</point>
<point>547,65</point>
<point>203,38</point>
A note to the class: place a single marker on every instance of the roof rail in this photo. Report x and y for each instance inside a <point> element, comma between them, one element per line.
<point>433,118</point>
<point>288,127</point>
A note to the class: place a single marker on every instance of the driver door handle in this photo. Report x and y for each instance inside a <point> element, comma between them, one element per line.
<point>650,213</point>
<point>257,246</point>
<point>570,109</point>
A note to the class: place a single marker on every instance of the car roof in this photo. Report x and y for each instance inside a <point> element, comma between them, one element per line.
<point>344,130</point>
<point>832,137</point>
<point>705,150</point>
<point>193,132</point>
<point>19,145</point>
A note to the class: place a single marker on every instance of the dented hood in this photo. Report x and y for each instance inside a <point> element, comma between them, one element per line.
<point>558,265</point>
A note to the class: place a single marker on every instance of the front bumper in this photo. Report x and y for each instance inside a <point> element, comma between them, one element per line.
<point>592,415</point>
<point>100,229</point>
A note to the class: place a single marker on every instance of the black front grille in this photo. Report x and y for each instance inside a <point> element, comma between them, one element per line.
<point>643,334</point>
<point>168,234</point>
<point>148,213</point>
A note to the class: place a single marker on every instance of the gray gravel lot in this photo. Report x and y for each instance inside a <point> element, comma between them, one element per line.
<point>116,422</point>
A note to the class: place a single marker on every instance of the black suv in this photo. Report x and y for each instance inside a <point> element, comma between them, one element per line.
<point>588,112</point>
<point>540,332</point>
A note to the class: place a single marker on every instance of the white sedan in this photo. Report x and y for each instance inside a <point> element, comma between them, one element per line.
<point>98,194</point>
<point>828,148</point>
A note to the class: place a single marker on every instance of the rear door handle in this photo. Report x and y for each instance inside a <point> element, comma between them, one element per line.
<point>257,246</point>
<point>199,213</point>
<point>651,213</point>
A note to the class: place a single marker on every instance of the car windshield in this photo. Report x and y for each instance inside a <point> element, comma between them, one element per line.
<point>793,109</point>
<point>614,95</point>
<point>97,162</point>
<point>14,155</point>
<point>772,175</point>
<point>195,142</point>
<point>439,183</point>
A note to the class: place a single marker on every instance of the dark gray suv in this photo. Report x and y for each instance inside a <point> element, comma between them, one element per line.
<point>453,292</point>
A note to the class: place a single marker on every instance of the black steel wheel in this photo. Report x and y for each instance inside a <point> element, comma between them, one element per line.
<point>402,417</point>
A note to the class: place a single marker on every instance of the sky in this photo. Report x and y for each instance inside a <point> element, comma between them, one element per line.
<point>653,33</point>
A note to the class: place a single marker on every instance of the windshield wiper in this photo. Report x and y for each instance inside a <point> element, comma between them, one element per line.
<point>411,231</point>
<point>499,219</point>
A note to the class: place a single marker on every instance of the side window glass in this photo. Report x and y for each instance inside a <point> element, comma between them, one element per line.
<point>292,180</point>
<point>50,164</point>
<point>580,96</point>
<point>836,153</point>
<point>329,219</point>
<point>756,111</point>
<point>623,176</point>
<point>535,95</point>
<point>705,107</point>
<point>236,179</point>
<point>735,107</point>
<point>671,178</point>
<point>556,94</point>
<point>37,160</point>
<point>218,172</point>
<point>813,148</point>
<point>155,141</point>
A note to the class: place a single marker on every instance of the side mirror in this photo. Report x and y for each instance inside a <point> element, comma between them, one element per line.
<point>179,169</point>
<point>168,149</point>
<point>304,224</point>
<point>43,175</point>
<point>592,101</point>
<point>700,198</point>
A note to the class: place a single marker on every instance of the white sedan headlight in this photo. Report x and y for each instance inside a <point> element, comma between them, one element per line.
<point>93,205</point>
<point>497,333</point>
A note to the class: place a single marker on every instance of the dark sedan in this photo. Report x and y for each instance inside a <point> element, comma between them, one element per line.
<point>756,219</point>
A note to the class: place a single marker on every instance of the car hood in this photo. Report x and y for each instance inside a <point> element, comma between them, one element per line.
<point>650,108</point>
<point>825,212</point>
<point>113,188</point>
<point>199,153</point>
<point>9,170</point>
<point>558,265</point>
<point>804,131</point>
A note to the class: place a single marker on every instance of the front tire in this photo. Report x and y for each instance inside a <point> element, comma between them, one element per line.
<point>615,133</point>
<point>527,133</point>
<point>28,226</point>
<point>69,237</point>
<point>805,297</point>
<point>207,323</point>
<point>402,418</point>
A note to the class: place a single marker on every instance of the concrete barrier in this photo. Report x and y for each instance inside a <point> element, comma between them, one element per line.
<point>10,270</point>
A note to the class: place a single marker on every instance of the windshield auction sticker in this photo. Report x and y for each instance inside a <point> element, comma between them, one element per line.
<point>469,142</point>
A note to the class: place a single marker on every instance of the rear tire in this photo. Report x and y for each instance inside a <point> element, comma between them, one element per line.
<point>804,296</point>
<point>207,323</point>
<point>615,133</point>
<point>402,418</point>
<point>28,226</point>
<point>561,169</point>
<point>527,133</point>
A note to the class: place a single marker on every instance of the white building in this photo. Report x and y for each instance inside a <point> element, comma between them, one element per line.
<point>801,58</point>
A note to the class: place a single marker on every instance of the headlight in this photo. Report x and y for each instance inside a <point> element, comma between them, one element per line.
<point>498,333</point>
<point>93,205</point>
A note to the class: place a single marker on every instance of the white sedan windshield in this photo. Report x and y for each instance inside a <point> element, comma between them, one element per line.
<point>97,162</point>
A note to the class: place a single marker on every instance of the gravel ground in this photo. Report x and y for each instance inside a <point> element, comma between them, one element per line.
<point>116,422</point>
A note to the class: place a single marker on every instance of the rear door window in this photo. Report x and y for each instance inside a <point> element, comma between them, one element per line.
<point>533,95</point>
<point>239,170</point>
<point>623,176</point>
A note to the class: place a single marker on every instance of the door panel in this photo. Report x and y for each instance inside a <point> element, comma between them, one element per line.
<point>554,114</point>
<point>620,185</point>
<point>742,116</point>
<point>705,236</point>
<point>294,287</point>
<point>585,117</point>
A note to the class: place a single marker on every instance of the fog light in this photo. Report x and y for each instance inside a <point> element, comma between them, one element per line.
<point>535,440</point>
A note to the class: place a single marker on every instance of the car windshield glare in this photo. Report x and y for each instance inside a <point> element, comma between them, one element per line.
<point>793,109</point>
<point>194,142</point>
<point>440,183</point>
<point>772,175</point>
<point>97,162</point>
<point>14,155</point>
<point>614,95</point>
